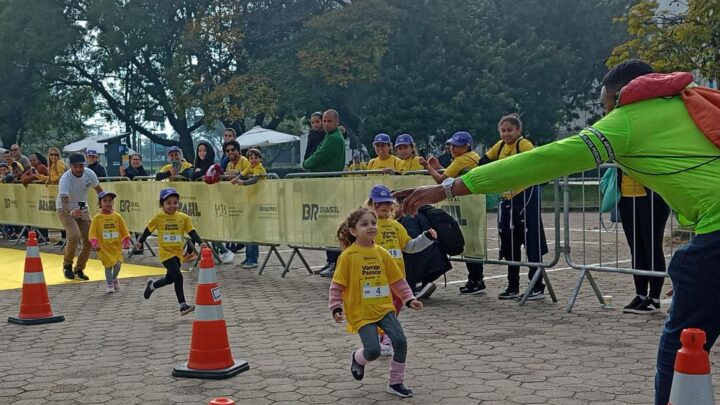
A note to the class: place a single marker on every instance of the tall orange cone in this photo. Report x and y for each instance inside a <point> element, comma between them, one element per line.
<point>35,303</point>
<point>692,383</point>
<point>210,355</point>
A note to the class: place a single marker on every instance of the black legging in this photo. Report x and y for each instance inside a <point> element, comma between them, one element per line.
<point>648,215</point>
<point>173,276</point>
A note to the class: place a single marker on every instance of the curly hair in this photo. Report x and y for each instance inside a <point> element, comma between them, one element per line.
<point>343,233</point>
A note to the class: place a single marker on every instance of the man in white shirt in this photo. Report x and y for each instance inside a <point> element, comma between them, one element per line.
<point>72,209</point>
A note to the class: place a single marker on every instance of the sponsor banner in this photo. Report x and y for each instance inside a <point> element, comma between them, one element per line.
<point>301,211</point>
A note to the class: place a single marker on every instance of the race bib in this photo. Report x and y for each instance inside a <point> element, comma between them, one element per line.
<point>110,236</point>
<point>375,290</point>
<point>172,239</point>
<point>395,253</point>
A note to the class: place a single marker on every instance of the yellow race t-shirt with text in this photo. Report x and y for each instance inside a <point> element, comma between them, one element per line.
<point>393,237</point>
<point>366,273</point>
<point>237,167</point>
<point>466,161</point>
<point>410,164</point>
<point>392,162</point>
<point>109,230</point>
<point>171,230</point>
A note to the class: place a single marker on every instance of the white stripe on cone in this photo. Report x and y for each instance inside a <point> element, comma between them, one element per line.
<point>688,389</point>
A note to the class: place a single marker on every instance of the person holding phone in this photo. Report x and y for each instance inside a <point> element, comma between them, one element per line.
<point>177,166</point>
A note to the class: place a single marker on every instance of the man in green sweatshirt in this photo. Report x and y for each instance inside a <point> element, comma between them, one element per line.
<point>656,141</point>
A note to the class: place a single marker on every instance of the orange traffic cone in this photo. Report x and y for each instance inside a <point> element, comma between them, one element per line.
<point>210,355</point>
<point>691,382</point>
<point>35,304</point>
<point>222,401</point>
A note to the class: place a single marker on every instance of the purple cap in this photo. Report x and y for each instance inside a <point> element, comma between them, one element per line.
<point>382,138</point>
<point>404,139</point>
<point>379,193</point>
<point>174,149</point>
<point>91,152</point>
<point>106,194</point>
<point>461,138</point>
<point>167,192</point>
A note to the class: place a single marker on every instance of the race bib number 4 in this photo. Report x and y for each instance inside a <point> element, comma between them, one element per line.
<point>110,236</point>
<point>172,239</point>
<point>375,290</point>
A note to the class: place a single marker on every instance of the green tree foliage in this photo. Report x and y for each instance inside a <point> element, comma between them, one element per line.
<point>685,36</point>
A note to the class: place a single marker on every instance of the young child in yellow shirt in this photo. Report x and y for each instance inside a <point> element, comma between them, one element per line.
<point>108,236</point>
<point>251,175</point>
<point>171,227</point>
<point>360,292</point>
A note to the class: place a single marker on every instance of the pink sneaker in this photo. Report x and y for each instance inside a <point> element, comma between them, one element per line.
<point>109,288</point>
<point>116,285</point>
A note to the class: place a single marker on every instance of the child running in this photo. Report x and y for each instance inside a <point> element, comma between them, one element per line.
<point>395,239</point>
<point>171,226</point>
<point>360,290</point>
<point>108,236</point>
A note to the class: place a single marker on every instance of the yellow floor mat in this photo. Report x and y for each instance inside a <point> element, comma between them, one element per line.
<point>12,267</point>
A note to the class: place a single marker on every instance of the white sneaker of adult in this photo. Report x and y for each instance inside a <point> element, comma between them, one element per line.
<point>227,257</point>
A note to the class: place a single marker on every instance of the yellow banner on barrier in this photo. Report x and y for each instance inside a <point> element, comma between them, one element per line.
<point>301,211</point>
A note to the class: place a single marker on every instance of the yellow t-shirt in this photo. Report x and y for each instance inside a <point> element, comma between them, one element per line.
<point>250,171</point>
<point>393,237</point>
<point>242,164</point>
<point>501,150</point>
<point>171,230</point>
<point>109,230</point>
<point>184,165</point>
<point>54,173</point>
<point>467,160</point>
<point>366,273</point>
<point>410,164</point>
<point>353,167</point>
<point>631,188</point>
<point>392,162</point>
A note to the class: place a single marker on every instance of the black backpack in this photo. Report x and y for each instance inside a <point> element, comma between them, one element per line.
<point>449,235</point>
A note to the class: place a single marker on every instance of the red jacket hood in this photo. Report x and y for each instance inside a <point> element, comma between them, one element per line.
<point>654,85</point>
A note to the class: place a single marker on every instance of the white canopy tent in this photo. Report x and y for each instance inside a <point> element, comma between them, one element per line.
<point>259,136</point>
<point>91,142</point>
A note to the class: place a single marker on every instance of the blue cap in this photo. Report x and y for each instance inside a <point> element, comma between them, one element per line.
<point>174,149</point>
<point>91,152</point>
<point>379,193</point>
<point>106,194</point>
<point>168,192</point>
<point>382,138</point>
<point>461,138</point>
<point>404,139</point>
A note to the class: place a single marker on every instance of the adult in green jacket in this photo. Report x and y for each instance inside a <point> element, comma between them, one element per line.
<point>657,141</point>
<point>330,154</point>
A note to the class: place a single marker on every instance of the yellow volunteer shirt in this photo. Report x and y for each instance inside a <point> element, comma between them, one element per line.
<point>631,188</point>
<point>393,237</point>
<point>184,165</point>
<point>109,230</point>
<point>171,230</point>
<point>366,273</point>
<point>242,164</point>
<point>410,164</point>
<point>466,161</point>
<point>501,150</point>
<point>392,162</point>
<point>354,167</point>
<point>250,171</point>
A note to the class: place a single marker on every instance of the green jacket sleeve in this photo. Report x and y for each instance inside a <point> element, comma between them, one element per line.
<point>603,141</point>
<point>330,148</point>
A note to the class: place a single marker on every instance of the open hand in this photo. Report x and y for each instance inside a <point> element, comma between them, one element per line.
<point>414,198</point>
<point>432,233</point>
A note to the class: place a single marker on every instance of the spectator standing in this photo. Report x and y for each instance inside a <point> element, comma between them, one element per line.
<point>315,135</point>
<point>385,160</point>
<point>92,163</point>
<point>228,135</point>
<point>135,169</point>
<point>328,157</point>
<point>356,164</point>
<point>204,158</point>
<point>38,166</point>
<point>56,167</point>
<point>16,152</point>
<point>177,166</point>
<point>446,157</point>
<point>73,213</point>
<point>237,163</point>
<point>407,153</point>
<point>252,174</point>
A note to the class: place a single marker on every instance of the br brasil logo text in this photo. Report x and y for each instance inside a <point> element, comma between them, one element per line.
<point>310,212</point>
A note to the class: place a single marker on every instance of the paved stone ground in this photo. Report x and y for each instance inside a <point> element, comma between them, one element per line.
<point>120,348</point>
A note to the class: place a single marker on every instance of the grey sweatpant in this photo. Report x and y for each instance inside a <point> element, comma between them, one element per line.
<point>371,344</point>
<point>112,272</point>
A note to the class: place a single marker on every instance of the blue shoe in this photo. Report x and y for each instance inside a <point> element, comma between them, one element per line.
<point>400,390</point>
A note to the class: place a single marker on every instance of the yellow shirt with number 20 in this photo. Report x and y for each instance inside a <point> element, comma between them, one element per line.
<point>366,273</point>
<point>171,230</point>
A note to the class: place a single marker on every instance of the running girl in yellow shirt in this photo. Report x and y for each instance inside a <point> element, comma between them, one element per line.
<point>171,226</point>
<point>108,236</point>
<point>364,279</point>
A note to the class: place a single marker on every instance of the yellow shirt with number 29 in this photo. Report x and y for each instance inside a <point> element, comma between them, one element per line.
<point>171,230</point>
<point>366,273</point>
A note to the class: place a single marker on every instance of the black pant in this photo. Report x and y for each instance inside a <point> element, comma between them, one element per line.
<point>332,256</point>
<point>475,271</point>
<point>173,276</point>
<point>520,223</point>
<point>643,220</point>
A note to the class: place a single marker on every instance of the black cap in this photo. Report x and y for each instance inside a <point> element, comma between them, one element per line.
<point>77,158</point>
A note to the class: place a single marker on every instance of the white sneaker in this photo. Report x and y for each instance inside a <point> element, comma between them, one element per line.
<point>386,350</point>
<point>109,288</point>
<point>227,257</point>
